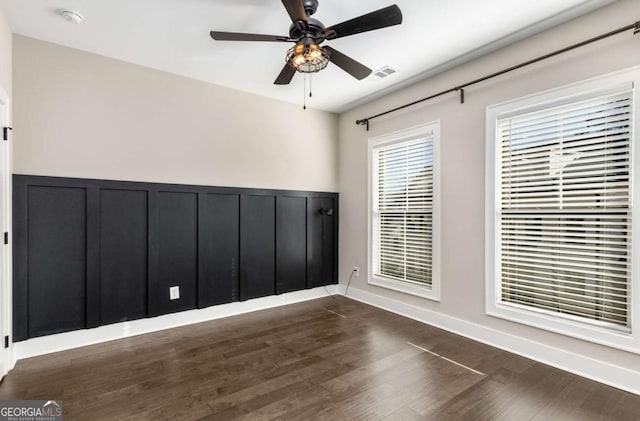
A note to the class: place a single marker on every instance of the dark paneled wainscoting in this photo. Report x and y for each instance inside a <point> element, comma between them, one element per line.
<point>92,252</point>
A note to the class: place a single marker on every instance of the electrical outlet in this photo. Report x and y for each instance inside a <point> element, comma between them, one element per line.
<point>356,269</point>
<point>174,293</point>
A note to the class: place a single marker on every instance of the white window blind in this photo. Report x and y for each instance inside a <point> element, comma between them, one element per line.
<point>564,200</point>
<point>403,211</point>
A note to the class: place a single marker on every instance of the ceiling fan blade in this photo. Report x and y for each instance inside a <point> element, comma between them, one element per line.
<point>382,18</point>
<point>238,36</point>
<point>349,65</point>
<point>296,11</point>
<point>285,76</point>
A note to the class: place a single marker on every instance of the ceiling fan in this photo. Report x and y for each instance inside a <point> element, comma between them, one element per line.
<point>307,56</point>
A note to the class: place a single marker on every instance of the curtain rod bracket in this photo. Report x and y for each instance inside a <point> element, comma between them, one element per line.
<point>363,122</point>
<point>461,95</point>
<point>636,27</point>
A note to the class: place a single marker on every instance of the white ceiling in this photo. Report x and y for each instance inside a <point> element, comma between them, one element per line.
<point>173,35</point>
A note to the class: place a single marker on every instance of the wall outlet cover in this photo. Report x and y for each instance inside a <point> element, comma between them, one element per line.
<point>174,293</point>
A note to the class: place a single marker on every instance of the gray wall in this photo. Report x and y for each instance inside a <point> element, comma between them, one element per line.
<point>82,115</point>
<point>462,161</point>
<point>5,54</point>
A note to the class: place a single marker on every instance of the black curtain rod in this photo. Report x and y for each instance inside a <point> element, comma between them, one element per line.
<point>460,88</point>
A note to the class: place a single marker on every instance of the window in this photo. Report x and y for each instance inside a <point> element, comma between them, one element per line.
<point>560,178</point>
<point>404,211</point>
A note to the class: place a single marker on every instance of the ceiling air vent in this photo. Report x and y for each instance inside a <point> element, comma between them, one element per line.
<point>384,72</point>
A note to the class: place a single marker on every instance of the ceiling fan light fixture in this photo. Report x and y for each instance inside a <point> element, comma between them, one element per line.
<point>308,58</point>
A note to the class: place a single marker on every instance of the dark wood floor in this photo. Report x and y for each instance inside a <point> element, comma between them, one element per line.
<point>332,359</point>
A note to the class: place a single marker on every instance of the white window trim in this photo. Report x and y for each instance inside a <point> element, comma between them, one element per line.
<point>629,78</point>
<point>433,293</point>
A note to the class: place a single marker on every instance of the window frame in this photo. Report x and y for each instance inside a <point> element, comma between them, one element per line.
<point>431,130</point>
<point>610,83</point>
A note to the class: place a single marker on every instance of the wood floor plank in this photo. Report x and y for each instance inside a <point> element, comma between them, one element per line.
<point>331,358</point>
<point>576,393</point>
<point>404,414</point>
<point>537,389</point>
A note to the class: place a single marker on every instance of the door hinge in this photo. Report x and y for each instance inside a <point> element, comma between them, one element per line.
<point>6,341</point>
<point>5,133</point>
<point>6,238</point>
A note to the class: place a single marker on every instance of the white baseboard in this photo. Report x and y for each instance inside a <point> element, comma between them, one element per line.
<point>600,371</point>
<point>63,341</point>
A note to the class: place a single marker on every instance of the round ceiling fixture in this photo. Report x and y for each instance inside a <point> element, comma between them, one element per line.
<point>71,16</point>
<point>308,58</point>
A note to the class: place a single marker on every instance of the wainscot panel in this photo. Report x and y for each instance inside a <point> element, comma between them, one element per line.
<point>90,252</point>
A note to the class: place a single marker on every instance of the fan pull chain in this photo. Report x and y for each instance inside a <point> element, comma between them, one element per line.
<point>310,79</point>
<point>304,94</point>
